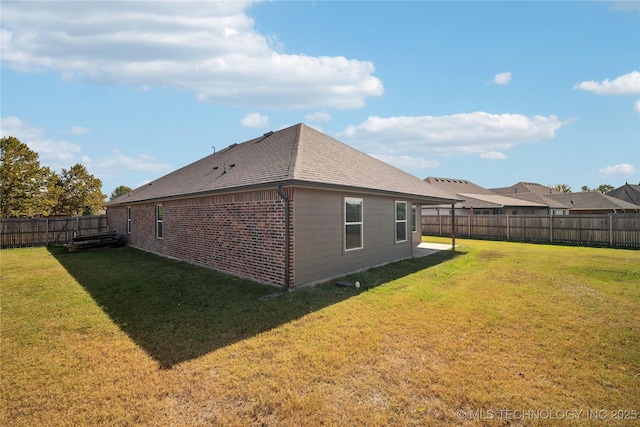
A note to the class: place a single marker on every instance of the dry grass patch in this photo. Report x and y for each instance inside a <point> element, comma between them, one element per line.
<point>98,338</point>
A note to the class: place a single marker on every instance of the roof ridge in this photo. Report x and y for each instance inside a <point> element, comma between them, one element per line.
<point>294,152</point>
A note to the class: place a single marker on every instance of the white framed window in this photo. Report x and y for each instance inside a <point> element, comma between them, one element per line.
<point>159,221</point>
<point>128,219</point>
<point>353,222</point>
<point>414,215</point>
<point>401,221</point>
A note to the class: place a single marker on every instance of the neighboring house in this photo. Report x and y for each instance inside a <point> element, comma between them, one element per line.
<point>628,192</point>
<point>534,192</point>
<point>593,202</point>
<point>480,201</point>
<point>291,207</point>
<point>588,202</point>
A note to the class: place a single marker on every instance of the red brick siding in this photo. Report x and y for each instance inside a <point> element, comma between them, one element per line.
<point>243,234</point>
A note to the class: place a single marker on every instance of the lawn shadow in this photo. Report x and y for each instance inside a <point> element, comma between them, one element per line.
<point>176,311</point>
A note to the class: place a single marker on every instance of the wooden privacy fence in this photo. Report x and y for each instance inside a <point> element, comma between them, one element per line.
<point>612,230</point>
<point>23,232</point>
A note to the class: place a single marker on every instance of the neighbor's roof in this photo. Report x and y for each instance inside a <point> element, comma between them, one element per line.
<point>496,200</point>
<point>532,192</point>
<point>456,186</point>
<point>479,197</point>
<point>628,192</point>
<point>592,200</point>
<point>526,187</point>
<point>297,155</point>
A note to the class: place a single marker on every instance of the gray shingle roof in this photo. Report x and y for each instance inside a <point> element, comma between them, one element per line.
<point>525,187</point>
<point>479,197</point>
<point>297,155</point>
<point>456,186</point>
<point>497,200</point>
<point>519,191</point>
<point>591,200</point>
<point>628,192</point>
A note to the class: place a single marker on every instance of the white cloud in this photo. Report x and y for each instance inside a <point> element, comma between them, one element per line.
<point>622,169</point>
<point>636,106</point>
<point>63,154</point>
<point>79,130</point>
<point>318,117</point>
<point>55,154</point>
<point>493,155</point>
<point>117,162</point>
<point>464,133</point>
<point>502,78</point>
<point>627,84</point>
<point>207,48</point>
<point>255,120</point>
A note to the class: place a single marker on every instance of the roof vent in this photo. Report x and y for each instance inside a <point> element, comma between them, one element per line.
<point>265,136</point>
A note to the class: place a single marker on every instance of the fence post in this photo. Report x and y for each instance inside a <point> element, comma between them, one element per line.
<point>469,225</point>
<point>453,228</point>
<point>550,227</point>
<point>611,230</point>
<point>507,227</point>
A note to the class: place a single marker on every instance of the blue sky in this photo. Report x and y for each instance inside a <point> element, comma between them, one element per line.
<point>492,92</point>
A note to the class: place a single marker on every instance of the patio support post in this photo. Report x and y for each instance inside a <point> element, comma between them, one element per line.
<point>453,228</point>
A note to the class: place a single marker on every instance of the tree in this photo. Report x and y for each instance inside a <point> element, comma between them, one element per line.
<point>585,189</point>
<point>563,188</point>
<point>20,179</point>
<point>602,188</point>
<point>81,192</point>
<point>119,191</point>
<point>605,188</point>
<point>50,191</point>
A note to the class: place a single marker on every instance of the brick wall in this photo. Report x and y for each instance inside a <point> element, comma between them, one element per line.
<point>243,234</point>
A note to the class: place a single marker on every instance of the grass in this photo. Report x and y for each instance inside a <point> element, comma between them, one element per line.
<point>122,337</point>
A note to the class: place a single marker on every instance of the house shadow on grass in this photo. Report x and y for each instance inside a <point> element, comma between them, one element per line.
<point>176,311</point>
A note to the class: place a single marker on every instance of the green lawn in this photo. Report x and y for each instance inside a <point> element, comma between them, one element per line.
<point>495,334</point>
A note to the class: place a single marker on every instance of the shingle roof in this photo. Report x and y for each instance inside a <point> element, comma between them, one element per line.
<point>525,187</point>
<point>297,155</point>
<point>453,185</point>
<point>479,197</point>
<point>497,200</point>
<point>628,192</point>
<point>519,191</point>
<point>591,200</point>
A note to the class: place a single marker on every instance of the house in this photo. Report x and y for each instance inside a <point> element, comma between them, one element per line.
<point>593,202</point>
<point>587,202</point>
<point>291,207</point>
<point>535,192</point>
<point>628,192</point>
<point>480,201</point>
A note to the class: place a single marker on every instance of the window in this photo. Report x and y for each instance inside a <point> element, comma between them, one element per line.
<point>401,221</point>
<point>352,223</point>
<point>414,215</point>
<point>159,221</point>
<point>128,219</point>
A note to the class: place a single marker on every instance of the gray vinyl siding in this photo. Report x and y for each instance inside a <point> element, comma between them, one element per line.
<point>319,235</point>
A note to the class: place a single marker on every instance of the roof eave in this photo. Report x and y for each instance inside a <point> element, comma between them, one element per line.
<point>432,200</point>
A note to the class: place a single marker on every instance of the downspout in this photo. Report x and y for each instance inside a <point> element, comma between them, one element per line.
<point>287,251</point>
